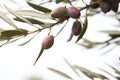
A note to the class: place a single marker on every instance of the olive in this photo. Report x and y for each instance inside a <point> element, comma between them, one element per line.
<point>48,42</point>
<point>73,12</point>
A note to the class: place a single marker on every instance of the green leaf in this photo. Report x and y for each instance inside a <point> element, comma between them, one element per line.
<point>27,41</point>
<point>33,21</point>
<point>85,25</point>
<point>9,34</point>
<point>111,32</point>
<point>107,72</point>
<point>8,42</point>
<point>116,70</point>
<point>60,73</point>
<point>89,73</point>
<point>66,1</point>
<point>47,25</point>
<point>8,20</point>
<point>19,16</point>
<point>58,1</point>
<point>33,14</point>
<point>38,7</point>
<point>72,68</point>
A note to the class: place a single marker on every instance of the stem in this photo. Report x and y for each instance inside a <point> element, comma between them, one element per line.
<point>39,30</point>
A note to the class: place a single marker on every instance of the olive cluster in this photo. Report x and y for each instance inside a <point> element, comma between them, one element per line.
<point>63,13</point>
<point>70,12</point>
<point>105,5</point>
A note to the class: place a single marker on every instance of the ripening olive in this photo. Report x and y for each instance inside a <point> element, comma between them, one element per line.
<point>59,12</point>
<point>48,42</point>
<point>76,28</point>
<point>73,12</point>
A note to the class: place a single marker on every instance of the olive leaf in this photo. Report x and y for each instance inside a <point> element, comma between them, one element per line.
<point>67,1</point>
<point>115,70</point>
<point>19,16</point>
<point>90,44</point>
<point>38,7</point>
<point>8,20</point>
<point>13,33</point>
<point>112,33</point>
<point>85,25</point>
<point>58,1</point>
<point>33,14</point>
<point>72,68</point>
<point>60,73</point>
<point>47,25</point>
<point>107,72</point>
<point>8,41</point>
<point>9,34</point>
<point>89,73</point>
<point>27,41</point>
<point>33,21</point>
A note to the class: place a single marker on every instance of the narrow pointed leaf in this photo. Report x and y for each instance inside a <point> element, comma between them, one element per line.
<point>107,72</point>
<point>89,73</point>
<point>9,34</point>
<point>41,51</point>
<point>33,21</point>
<point>72,67</point>
<point>111,32</point>
<point>116,71</point>
<point>47,25</point>
<point>85,24</point>
<point>19,16</point>
<point>8,42</point>
<point>8,20</point>
<point>33,14</point>
<point>62,28</point>
<point>60,73</point>
<point>27,41</point>
<point>38,7</point>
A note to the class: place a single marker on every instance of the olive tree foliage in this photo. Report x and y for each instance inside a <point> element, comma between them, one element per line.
<point>37,17</point>
<point>59,15</point>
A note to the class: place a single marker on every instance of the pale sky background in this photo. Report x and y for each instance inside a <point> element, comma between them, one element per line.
<point>16,62</point>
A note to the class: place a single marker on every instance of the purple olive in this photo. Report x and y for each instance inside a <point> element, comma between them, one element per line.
<point>76,28</point>
<point>48,42</point>
<point>73,12</point>
<point>59,12</point>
